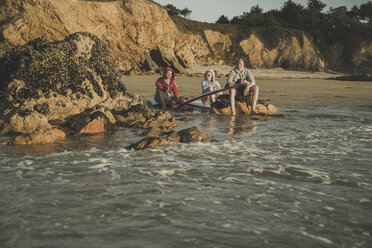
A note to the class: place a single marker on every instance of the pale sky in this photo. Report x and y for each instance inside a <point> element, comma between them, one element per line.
<point>210,10</point>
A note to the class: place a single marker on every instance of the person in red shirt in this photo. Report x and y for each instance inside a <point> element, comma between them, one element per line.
<point>165,86</point>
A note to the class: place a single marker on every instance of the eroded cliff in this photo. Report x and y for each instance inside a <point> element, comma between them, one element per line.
<point>141,37</point>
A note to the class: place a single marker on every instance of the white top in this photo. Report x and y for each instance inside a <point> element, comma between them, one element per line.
<point>206,84</point>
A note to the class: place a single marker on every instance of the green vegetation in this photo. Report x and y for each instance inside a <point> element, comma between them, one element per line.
<point>173,11</point>
<point>337,26</point>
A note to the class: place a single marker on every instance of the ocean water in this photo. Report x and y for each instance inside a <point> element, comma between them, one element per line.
<point>300,181</point>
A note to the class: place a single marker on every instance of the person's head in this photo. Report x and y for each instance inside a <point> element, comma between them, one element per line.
<point>209,75</point>
<point>168,74</point>
<point>240,64</point>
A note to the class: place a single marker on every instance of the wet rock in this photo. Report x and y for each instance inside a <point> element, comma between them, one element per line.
<point>96,125</point>
<point>135,116</point>
<point>161,120</point>
<point>187,118</point>
<point>88,122</point>
<point>272,109</point>
<point>242,106</point>
<point>74,84</point>
<point>193,134</point>
<point>141,117</point>
<point>153,132</point>
<point>61,78</point>
<point>37,137</point>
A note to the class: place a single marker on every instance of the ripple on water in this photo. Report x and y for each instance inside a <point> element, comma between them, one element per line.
<point>296,181</point>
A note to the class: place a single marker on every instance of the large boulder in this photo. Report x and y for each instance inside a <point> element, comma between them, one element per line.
<point>61,78</point>
<point>91,121</point>
<point>74,84</point>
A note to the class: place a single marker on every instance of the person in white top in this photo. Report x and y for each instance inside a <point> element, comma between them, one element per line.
<point>241,75</point>
<point>209,84</point>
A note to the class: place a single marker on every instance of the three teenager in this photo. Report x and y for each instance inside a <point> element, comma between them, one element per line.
<point>166,86</point>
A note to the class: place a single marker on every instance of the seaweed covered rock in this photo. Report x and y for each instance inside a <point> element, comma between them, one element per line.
<point>242,106</point>
<point>54,81</point>
<point>188,135</point>
<point>140,116</point>
<point>61,78</point>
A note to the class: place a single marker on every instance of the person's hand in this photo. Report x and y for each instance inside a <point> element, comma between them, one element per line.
<point>168,94</point>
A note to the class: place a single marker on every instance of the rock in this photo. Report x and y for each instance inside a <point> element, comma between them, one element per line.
<point>242,106</point>
<point>135,116</point>
<point>187,118</point>
<point>261,109</point>
<point>164,57</point>
<point>272,109</point>
<point>62,78</point>
<point>74,84</point>
<point>161,120</point>
<point>193,134</point>
<point>88,122</point>
<point>149,64</point>
<point>222,111</point>
<point>127,27</point>
<point>27,122</point>
<point>153,132</point>
<point>96,125</point>
<point>37,137</point>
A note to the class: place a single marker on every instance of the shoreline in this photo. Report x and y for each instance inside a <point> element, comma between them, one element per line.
<point>263,73</point>
<point>281,87</point>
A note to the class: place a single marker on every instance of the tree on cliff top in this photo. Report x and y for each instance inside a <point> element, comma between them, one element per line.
<point>174,11</point>
<point>292,13</point>
<point>365,12</point>
<point>316,6</point>
<point>223,20</point>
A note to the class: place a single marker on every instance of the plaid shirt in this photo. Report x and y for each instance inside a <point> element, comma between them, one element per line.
<point>245,74</point>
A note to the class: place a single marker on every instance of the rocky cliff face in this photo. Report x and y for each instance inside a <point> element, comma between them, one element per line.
<point>141,36</point>
<point>131,29</point>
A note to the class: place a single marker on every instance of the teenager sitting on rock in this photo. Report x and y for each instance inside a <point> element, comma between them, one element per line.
<point>165,86</point>
<point>209,84</point>
<point>241,75</point>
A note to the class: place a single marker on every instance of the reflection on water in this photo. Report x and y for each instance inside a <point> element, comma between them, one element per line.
<point>301,181</point>
<point>76,143</point>
<point>241,124</point>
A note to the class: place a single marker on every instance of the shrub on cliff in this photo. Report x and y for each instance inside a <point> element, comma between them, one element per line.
<point>174,11</point>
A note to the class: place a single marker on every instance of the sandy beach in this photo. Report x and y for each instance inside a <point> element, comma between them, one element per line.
<point>280,87</point>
